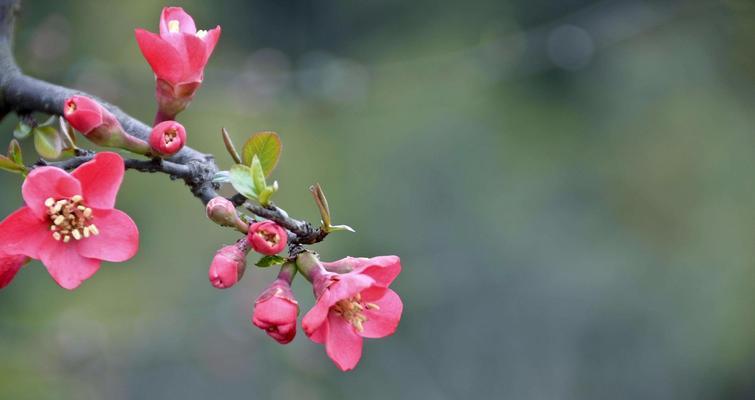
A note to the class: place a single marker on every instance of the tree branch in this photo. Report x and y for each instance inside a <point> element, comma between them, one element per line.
<point>24,94</point>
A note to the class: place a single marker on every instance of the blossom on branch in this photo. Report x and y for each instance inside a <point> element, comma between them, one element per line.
<point>177,56</point>
<point>68,221</point>
<point>227,266</point>
<point>275,311</point>
<point>267,237</point>
<point>353,306</point>
<point>167,138</point>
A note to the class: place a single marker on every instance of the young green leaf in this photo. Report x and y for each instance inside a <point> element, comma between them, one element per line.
<point>322,203</point>
<point>258,176</point>
<point>269,261</point>
<point>241,179</point>
<point>14,152</point>
<point>22,131</point>
<point>47,142</point>
<point>267,146</point>
<point>66,132</point>
<point>8,165</point>
<point>221,177</point>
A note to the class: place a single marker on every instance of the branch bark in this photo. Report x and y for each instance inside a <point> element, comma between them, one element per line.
<point>23,94</point>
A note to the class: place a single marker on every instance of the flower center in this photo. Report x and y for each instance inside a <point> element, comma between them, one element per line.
<point>351,310</point>
<point>70,218</point>
<point>70,107</point>
<point>174,26</point>
<point>270,237</point>
<point>170,135</point>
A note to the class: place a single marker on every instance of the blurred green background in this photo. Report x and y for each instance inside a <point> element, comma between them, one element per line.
<point>569,185</point>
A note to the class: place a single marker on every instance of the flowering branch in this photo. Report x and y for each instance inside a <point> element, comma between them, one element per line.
<point>24,94</point>
<point>70,224</point>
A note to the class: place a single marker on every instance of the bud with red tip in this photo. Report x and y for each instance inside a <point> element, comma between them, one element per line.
<point>9,266</point>
<point>177,56</point>
<point>228,266</point>
<point>222,212</point>
<point>167,138</point>
<point>276,309</point>
<point>99,125</point>
<point>267,237</point>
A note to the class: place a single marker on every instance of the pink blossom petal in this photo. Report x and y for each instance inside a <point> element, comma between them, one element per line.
<point>45,182</point>
<point>100,179</point>
<point>342,344</point>
<point>320,334</point>
<point>22,232</point>
<point>316,317</point>
<point>166,62</point>
<point>118,238</point>
<point>213,35</point>
<point>66,266</point>
<point>9,266</point>
<point>383,269</point>
<point>383,321</point>
<point>185,21</point>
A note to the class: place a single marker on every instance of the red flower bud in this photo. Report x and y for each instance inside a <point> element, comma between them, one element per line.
<point>227,267</point>
<point>275,311</point>
<point>167,138</point>
<point>221,211</point>
<point>99,125</point>
<point>267,237</point>
<point>177,56</point>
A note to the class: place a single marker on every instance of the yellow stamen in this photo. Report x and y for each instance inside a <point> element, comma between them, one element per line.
<point>76,234</point>
<point>174,26</point>
<point>201,33</point>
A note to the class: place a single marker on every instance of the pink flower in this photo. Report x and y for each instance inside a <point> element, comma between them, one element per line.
<point>9,266</point>
<point>99,125</point>
<point>177,56</point>
<point>267,237</point>
<point>227,267</point>
<point>69,223</point>
<point>167,138</point>
<point>275,311</point>
<point>353,306</point>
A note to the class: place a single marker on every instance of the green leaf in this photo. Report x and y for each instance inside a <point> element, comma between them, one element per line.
<point>14,152</point>
<point>258,176</point>
<point>267,146</point>
<point>221,177</point>
<point>269,261</point>
<point>322,203</point>
<point>22,131</point>
<point>8,165</point>
<point>241,179</point>
<point>335,228</point>
<point>47,142</point>
<point>49,122</point>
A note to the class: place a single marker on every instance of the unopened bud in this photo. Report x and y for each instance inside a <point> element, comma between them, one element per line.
<point>227,266</point>
<point>99,125</point>
<point>222,212</point>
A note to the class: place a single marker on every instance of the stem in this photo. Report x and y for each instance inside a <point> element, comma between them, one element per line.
<point>309,265</point>
<point>287,272</point>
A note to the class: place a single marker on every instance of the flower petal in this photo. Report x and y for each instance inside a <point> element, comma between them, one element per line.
<point>185,21</point>
<point>9,266</point>
<point>383,269</point>
<point>315,317</point>
<point>24,233</point>
<point>383,321</point>
<point>45,182</point>
<point>165,61</point>
<point>66,266</point>
<point>118,238</point>
<point>100,179</point>
<point>320,334</point>
<point>213,35</point>
<point>342,343</point>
